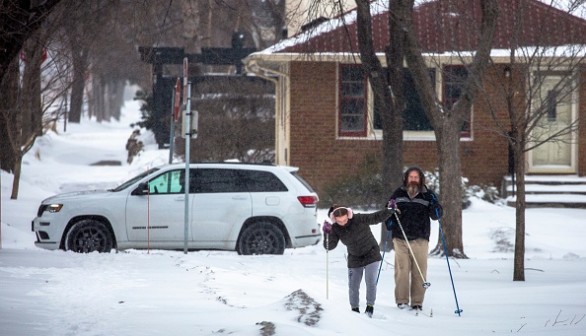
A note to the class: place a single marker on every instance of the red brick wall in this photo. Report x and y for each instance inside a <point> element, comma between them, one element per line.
<point>323,159</point>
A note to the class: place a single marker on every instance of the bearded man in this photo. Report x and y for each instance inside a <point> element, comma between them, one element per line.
<point>416,205</point>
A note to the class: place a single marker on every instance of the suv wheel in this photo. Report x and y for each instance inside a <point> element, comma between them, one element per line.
<point>261,238</point>
<point>89,235</point>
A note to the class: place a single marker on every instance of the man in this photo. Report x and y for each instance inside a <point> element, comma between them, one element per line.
<point>353,230</point>
<point>416,204</point>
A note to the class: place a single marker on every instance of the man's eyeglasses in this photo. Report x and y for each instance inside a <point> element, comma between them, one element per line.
<point>339,212</point>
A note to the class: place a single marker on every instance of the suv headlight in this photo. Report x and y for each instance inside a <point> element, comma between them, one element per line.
<point>54,207</point>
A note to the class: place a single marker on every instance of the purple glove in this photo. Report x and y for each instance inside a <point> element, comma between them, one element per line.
<point>393,206</point>
<point>327,227</point>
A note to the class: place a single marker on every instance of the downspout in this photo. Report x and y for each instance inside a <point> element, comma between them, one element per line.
<point>281,131</point>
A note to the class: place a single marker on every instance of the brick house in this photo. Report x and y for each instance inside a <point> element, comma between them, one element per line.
<point>327,126</point>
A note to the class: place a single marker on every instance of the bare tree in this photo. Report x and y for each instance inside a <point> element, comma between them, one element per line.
<point>18,20</point>
<point>24,117</point>
<point>447,122</point>
<point>540,86</point>
<point>81,25</point>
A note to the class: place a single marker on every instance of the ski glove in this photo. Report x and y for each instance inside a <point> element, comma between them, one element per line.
<point>435,209</point>
<point>327,227</point>
<point>392,205</point>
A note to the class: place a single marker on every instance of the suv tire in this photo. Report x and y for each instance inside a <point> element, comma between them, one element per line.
<point>261,238</point>
<point>89,235</point>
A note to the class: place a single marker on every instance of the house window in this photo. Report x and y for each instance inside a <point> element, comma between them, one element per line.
<point>414,118</point>
<point>353,93</point>
<point>354,106</point>
<point>454,77</point>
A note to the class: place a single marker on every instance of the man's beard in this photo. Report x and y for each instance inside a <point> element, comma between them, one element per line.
<point>412,189</point>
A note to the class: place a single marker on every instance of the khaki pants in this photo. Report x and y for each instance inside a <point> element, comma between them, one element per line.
<point>408,281</point>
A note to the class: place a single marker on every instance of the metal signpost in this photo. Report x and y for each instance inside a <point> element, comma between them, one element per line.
<point>187,136</point>
<point>190,121</point>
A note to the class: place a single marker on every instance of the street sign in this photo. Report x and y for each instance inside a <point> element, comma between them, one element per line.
<point>185,78</point>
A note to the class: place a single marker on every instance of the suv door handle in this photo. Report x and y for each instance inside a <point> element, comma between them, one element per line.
<point>240,198</point>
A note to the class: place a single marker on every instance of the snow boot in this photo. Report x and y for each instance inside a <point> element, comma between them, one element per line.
<point>369,310</point>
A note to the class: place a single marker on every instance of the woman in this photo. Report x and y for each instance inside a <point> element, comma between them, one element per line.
<point>363,250</point>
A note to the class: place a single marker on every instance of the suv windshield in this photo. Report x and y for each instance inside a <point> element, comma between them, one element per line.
<point>134,179</point>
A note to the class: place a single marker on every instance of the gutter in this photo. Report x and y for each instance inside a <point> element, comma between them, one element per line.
<point>253,67</point>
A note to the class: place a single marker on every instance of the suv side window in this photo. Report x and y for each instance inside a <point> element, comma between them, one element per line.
<point>207,180</point>
<point>217,181</point>
<point>261,181</point>
<point>170,182</point>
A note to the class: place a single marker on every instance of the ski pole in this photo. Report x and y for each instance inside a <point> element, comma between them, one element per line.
<point>458,310</point>
<point>425,283</point>
<point>327,236</point>
<point>327,264</point>
<point>382,261</point>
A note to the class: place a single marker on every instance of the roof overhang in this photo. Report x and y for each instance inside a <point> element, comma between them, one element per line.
<point>571,53</point>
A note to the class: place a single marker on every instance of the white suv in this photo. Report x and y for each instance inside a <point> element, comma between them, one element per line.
<point>250,208</point>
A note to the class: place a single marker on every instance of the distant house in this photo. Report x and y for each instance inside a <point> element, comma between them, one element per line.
<point>327,125</point>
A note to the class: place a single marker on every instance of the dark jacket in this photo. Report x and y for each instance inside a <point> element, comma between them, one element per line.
<point>356,235</point>
<point>414,213</point>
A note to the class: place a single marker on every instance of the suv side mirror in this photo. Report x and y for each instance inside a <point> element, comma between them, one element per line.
<point>141,189</point>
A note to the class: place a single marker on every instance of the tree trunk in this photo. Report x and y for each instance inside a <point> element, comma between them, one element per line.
<point>16,181</point>
<point>97,95</point>
<point>448,143</point>
<point>31,110</point>
<point>15,146</point>
<point>9,92</point>
<point>393,125</point>
<point>115,99</point>
<point>519,264</point>
<point>391,115</point>
<point>77,86</point>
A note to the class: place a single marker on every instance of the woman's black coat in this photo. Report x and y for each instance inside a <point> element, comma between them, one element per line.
<point>362,247</point>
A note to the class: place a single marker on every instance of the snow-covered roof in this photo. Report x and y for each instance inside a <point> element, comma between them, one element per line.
<point>446,26</point>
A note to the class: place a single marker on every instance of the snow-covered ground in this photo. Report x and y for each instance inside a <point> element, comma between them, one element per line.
<point>303,292</point>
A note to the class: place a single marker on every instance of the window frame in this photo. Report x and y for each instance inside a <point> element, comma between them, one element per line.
<point>370,132</point>
<point>447,102</point>
<point>343,98</point>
